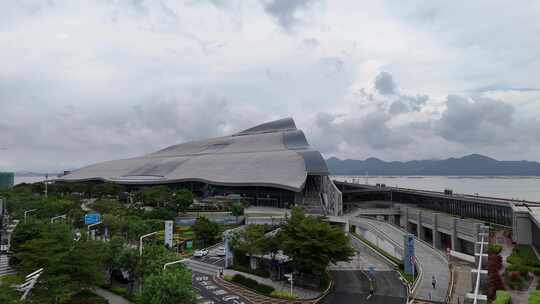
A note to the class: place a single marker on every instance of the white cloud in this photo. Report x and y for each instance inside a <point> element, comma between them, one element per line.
<point>89,80</point>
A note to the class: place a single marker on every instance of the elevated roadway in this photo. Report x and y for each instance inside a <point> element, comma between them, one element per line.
<point>431,262</point>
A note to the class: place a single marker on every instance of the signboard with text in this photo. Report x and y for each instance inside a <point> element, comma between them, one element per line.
<point>92,218</point>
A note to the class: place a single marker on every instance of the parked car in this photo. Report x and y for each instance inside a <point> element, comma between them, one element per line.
<point>200,253</point>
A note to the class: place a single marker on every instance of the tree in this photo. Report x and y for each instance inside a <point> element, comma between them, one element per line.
<point>249,240</point>
<point>312,243</point>
<point>183,198</point>
<point>237,209</point>
<point>171,286</point>
<point>70,266</point>
<point>112,256</point>
<point>205,231</point>
<point>157,195</point>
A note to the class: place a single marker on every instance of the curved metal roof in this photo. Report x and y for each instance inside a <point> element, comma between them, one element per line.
<point>274,154</point>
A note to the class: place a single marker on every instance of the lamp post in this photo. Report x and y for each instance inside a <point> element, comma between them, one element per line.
<point>141,241</point>
<point>172,263</point>
<point>92,225</point>
<point>26,213</point>
<point>57,217</point>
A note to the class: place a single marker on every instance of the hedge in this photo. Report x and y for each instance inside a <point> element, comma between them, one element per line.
<point>283,295</point>
<point>502,297</point>
<point>252,284</point>
<point>534,297</point>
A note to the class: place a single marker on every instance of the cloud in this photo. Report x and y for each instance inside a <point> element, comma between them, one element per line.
<point>476,121</point>
<point>286,11</point>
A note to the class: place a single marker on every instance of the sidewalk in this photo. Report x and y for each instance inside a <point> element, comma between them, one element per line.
<point>301,293</point>
<point>110,296</point>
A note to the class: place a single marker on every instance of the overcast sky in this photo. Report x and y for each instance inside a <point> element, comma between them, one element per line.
<point>86,81</point>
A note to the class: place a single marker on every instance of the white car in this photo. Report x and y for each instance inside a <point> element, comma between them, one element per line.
<point>200,253</point>
<point>231,297</point>
<point>220,251</point>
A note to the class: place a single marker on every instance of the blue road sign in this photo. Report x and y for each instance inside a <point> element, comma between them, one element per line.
<point>92,218</point>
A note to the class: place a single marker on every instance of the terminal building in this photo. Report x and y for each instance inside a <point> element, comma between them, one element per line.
<point>271,164</point>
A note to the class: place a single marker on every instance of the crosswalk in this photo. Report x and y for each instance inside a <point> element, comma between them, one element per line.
<point>5,269</point>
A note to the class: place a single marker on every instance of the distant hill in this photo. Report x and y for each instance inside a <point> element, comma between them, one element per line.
<point>473,164</point>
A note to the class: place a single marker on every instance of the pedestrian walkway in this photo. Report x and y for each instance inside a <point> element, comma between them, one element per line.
<point>462,282</point>
<point>5,269</point>
<point>431,261</point>
<point>301,293</point>
<point>110,296</point>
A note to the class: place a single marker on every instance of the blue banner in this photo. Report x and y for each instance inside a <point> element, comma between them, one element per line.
<point>92,218</point>
<point>408,255</point>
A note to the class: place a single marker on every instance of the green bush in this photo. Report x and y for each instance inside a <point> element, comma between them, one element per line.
<point>494,248</point>
<point>283,295</point>
<point>502,297</point>
<point>252,284</point>
<point>534,297</point>
<point>525,255</point>
<point>258,272</point>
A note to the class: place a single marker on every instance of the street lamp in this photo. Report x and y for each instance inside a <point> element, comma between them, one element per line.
<point>26,213</point>
<point>141,241</point>
<point>57,217</point>
<point>172,263</point>
<point>92,225</point>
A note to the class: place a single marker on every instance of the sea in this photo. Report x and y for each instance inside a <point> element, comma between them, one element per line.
<point>510,187</point>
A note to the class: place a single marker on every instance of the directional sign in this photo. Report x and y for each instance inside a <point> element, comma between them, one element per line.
<point>92,218</point>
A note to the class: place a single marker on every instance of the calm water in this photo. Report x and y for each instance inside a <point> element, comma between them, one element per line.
<point>523,188</point>
<point>527,188</point>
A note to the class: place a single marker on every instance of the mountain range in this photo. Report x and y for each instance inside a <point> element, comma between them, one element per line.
<point>474,164</point>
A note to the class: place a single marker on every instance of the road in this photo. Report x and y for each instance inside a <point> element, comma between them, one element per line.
<point>432,262</point>
<point>351,282</point>
<point>211,293</point>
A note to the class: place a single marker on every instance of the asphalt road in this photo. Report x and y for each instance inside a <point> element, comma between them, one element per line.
<point>352,287</point>
<point>210,293</point>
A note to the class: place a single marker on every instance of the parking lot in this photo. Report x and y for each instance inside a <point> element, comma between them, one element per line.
<point>211,293</point>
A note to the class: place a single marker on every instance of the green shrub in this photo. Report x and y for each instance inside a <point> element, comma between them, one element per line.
<point>534,297</point>
<point>494,248</point>
<point>502,297</point>
<point>258,272</point>
<point>283,295</point>
<point>252,284</point>
<point>525,255</point>
<point>228,278</point>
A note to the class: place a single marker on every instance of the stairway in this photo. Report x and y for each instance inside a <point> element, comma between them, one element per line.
<point>313,203</point>
<point>4,266</point>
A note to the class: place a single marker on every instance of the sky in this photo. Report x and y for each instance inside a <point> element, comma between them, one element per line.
<point>92,80</point>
